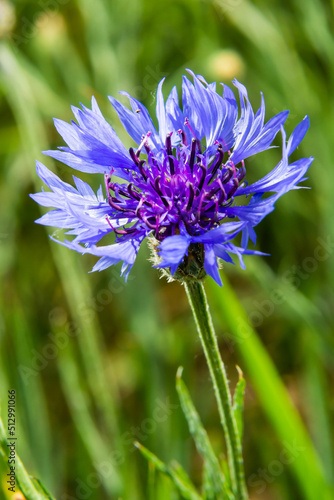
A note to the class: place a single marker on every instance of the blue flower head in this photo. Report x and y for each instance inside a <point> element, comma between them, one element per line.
<point>184,186</point>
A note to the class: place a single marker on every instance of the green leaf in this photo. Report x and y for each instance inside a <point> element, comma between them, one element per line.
<point>208,485</point>
<point>176,473</point>
<point>238,402</point>
<point>42,488</point>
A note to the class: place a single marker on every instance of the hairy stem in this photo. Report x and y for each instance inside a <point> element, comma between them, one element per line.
<point>199,305</point>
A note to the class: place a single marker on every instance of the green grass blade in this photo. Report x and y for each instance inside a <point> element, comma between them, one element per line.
<point>176,473</point>
<point>35,401</point>
<point>95,445</point>
<point>203,445</point>
<point>151,481</point>
<point>317,394</point>
<point>40,487</point>
<point>24,481</point>
<point>265,34</point>
<point>208,488</point>
<point>99,27</point>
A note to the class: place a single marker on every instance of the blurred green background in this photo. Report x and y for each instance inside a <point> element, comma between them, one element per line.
<point>93,360</point>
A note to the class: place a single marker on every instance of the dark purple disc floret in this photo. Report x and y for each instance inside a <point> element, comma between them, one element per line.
<point>187,187</point>
<point>179,185</point>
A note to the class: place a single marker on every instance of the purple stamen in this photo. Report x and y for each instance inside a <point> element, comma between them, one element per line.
<point>213,191</point>
<point>203,175</point>
<point>222,195</point>
<point>199,146</point>
<point>141,169</point>
<point>107,179</point>
<point>140,204</point>
<point>122,232</point>
<point>158,190</point>
<point>217,163</point>
<point>222,192</point>
<point>191,196</point>
<point>232,166</point>
<point>133,193</point>
<point>169,152</point>
<point>227,175</point>
<point>187,124</point>
<point>151,226</point>
<point>199,209</point>
<point>234,187</point>
<point>183,137</point>
<point>143,142</point>
<point>242,171</point>
<point>192,154</point>
<point>119,191</point>
<point>134,156</point>
<point>116,206</point>
<point>169,144</point>
<point>107,219</point>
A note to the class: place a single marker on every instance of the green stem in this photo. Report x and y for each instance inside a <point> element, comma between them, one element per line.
<point>199,305</point>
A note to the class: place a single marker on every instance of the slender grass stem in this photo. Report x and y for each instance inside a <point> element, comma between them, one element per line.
<point>199,305</point>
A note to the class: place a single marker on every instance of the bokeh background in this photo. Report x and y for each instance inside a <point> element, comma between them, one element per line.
<point>92,359</point>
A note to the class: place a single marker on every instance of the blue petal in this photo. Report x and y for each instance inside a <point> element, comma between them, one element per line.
<point>210,114</point>
<point>93,145</point>
<point>161,112</point>
<point>251,136</point>
<point>69,133</point>
<point>136,122</point>
<point>79,210</point>
<point>92,166</point>
<point>47,199</point>
<point>57,218</point>
<point>51,179</point>
<point>220,234</point>
<point>172,250</point>
<point>174,115</point>
<point>255,211</point>
<point>192,110</point>
<point>93,123</point>
<point>298,135</point>
<point>230,247</point>
<point>221,252</point>
<point>211,264</point>
<point>282,177</point>
<point>111,254</point>
<point>83,188</point>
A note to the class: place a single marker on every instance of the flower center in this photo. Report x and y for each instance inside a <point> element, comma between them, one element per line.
<point>175,185</point>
